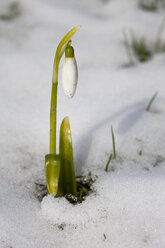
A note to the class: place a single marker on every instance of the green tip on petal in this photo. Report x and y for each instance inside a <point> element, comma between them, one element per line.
<point>69,52</point>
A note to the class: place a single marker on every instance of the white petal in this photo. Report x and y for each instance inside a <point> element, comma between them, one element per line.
<point>69,76</point>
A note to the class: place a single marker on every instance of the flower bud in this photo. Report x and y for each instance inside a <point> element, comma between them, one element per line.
<point>69,72</point>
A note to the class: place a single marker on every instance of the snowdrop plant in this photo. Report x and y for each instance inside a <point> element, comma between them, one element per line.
<point>60,173</point>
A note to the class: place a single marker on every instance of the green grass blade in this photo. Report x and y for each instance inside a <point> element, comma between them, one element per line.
<point>109,160</point>
<point>52,168</point>
<point>67,173</point>
<point>113,141</point>
<point>151,101</point>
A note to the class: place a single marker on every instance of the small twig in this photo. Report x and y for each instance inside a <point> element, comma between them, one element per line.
<point>151,101</point>
<point>113,141</point>
<point>109,160</point>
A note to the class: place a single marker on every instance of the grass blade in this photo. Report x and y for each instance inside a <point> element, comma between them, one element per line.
<point>151,101</point>
<point>109,160</point>
<point>113,141</point>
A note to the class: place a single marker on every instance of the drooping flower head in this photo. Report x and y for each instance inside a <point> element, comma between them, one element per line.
<point>69,72</point>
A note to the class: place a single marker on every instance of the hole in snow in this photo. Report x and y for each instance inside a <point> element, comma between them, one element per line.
<point>84,188</point>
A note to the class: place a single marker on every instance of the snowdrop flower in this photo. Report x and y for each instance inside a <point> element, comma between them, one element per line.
<point>69,72</point>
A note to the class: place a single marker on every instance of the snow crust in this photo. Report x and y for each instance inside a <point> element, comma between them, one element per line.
<point>128,204</point>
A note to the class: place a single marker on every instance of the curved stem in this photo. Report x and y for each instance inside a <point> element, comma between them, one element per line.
<point>58,55</point>
<point>53,107</point>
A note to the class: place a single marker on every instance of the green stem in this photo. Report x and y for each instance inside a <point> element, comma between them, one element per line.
<point>53,117</point>
<point>53,109</point>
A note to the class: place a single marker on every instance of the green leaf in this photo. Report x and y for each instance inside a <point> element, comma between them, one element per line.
<point>52,168</point>
<point>67,172</point>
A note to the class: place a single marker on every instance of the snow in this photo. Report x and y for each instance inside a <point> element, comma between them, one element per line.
<point>128,203</point>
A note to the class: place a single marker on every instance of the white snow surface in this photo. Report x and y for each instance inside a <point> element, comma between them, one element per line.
<point>128,204</point>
